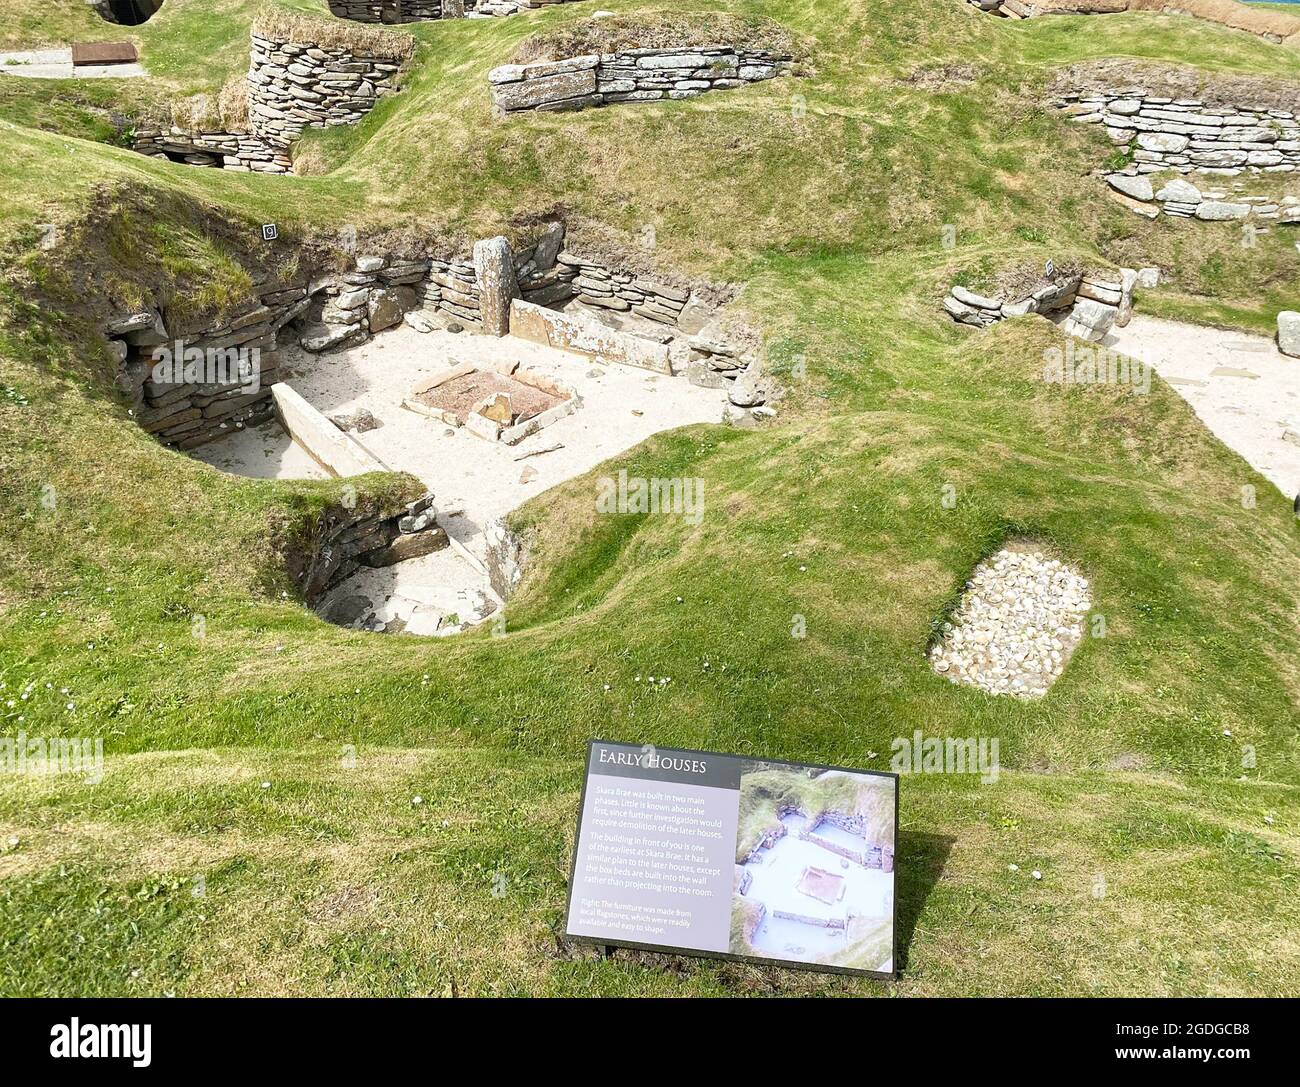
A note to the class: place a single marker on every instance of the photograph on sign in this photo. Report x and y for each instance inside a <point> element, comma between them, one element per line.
<point>719,855</point>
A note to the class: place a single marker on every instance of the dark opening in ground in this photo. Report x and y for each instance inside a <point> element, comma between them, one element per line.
<point>129,12</point>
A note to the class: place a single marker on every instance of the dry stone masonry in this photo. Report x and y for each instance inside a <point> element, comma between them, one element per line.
<point>637,75</point>
<point>1185,200</point>
<point>1020,619</point>
<point>243,152</point>
<point>344,539</point>
<point>1187,135</point>
<point>299,85</point>
<point>1088,306</point>
<point>182,408</point>
<point>292,86</point>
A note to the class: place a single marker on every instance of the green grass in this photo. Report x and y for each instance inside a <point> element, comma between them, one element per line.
<point>331,880</point>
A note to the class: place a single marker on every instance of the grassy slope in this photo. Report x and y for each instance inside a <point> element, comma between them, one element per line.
<point>326,882</point>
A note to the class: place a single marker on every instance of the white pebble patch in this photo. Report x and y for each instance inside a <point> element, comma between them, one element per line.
<point>1019,620</point>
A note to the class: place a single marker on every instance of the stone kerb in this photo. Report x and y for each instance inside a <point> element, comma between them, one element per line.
<point>637,75</point>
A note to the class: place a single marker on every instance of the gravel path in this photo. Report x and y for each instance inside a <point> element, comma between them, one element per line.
<point>1019,620</point>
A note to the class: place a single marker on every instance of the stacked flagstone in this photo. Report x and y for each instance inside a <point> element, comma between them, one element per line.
<point>1187,135</point>
<point>240,151</point>
<point>186,414</point>
<point>637,75</point>
<point>299,85</point>
<point>343,539</point>
<point>292,86</point>
<point>1089,305</point>
<point>1181,198</point>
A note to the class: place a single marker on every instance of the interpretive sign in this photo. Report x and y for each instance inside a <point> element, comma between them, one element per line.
<point>730,857</point>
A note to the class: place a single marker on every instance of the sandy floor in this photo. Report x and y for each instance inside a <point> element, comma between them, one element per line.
<point>473,480</point>
<point>1244,389</point>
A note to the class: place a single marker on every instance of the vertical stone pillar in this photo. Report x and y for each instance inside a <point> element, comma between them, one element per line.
<point>453,9</point>
<point>494,271</point>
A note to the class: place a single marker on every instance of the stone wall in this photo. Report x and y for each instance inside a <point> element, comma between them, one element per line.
<point>386,11</point>
<point>1181,198</point>
<point>188,413</point>
<point>292,86</point>
<point>334,310</point>
<point>342,539</point>
<point>638,75</point>
<point>452,289</point>
<point>239,151</point>
<point>1186,135</point>
<point>1274,26</point>
<point>299,85</point>
<point>1089,305</point>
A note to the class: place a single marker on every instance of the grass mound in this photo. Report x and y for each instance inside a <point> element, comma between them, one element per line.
<point>612,34</point>
<point>1278,25</point>
<point>281,24</point>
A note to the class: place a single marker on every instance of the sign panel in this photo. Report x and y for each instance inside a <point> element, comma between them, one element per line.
<point>730,857</point>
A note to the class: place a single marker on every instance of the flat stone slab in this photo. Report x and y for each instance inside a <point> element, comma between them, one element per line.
<point>95,53</point>
<point>57,64</point>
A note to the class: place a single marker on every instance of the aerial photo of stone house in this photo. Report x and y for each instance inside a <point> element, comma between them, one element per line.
<point>815,867</point>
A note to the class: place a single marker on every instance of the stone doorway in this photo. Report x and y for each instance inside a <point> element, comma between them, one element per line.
<point>129,12</point>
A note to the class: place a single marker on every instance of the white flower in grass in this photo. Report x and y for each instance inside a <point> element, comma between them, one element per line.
<point>1013,868</point>
<point>417,800</point>
<point>1036,874</point>
<point>266,785</point>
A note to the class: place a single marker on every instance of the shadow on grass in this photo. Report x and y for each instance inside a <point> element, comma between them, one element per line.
<point>921,858</point>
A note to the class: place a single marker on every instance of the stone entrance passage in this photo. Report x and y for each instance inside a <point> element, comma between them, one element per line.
<point>128,12</point>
